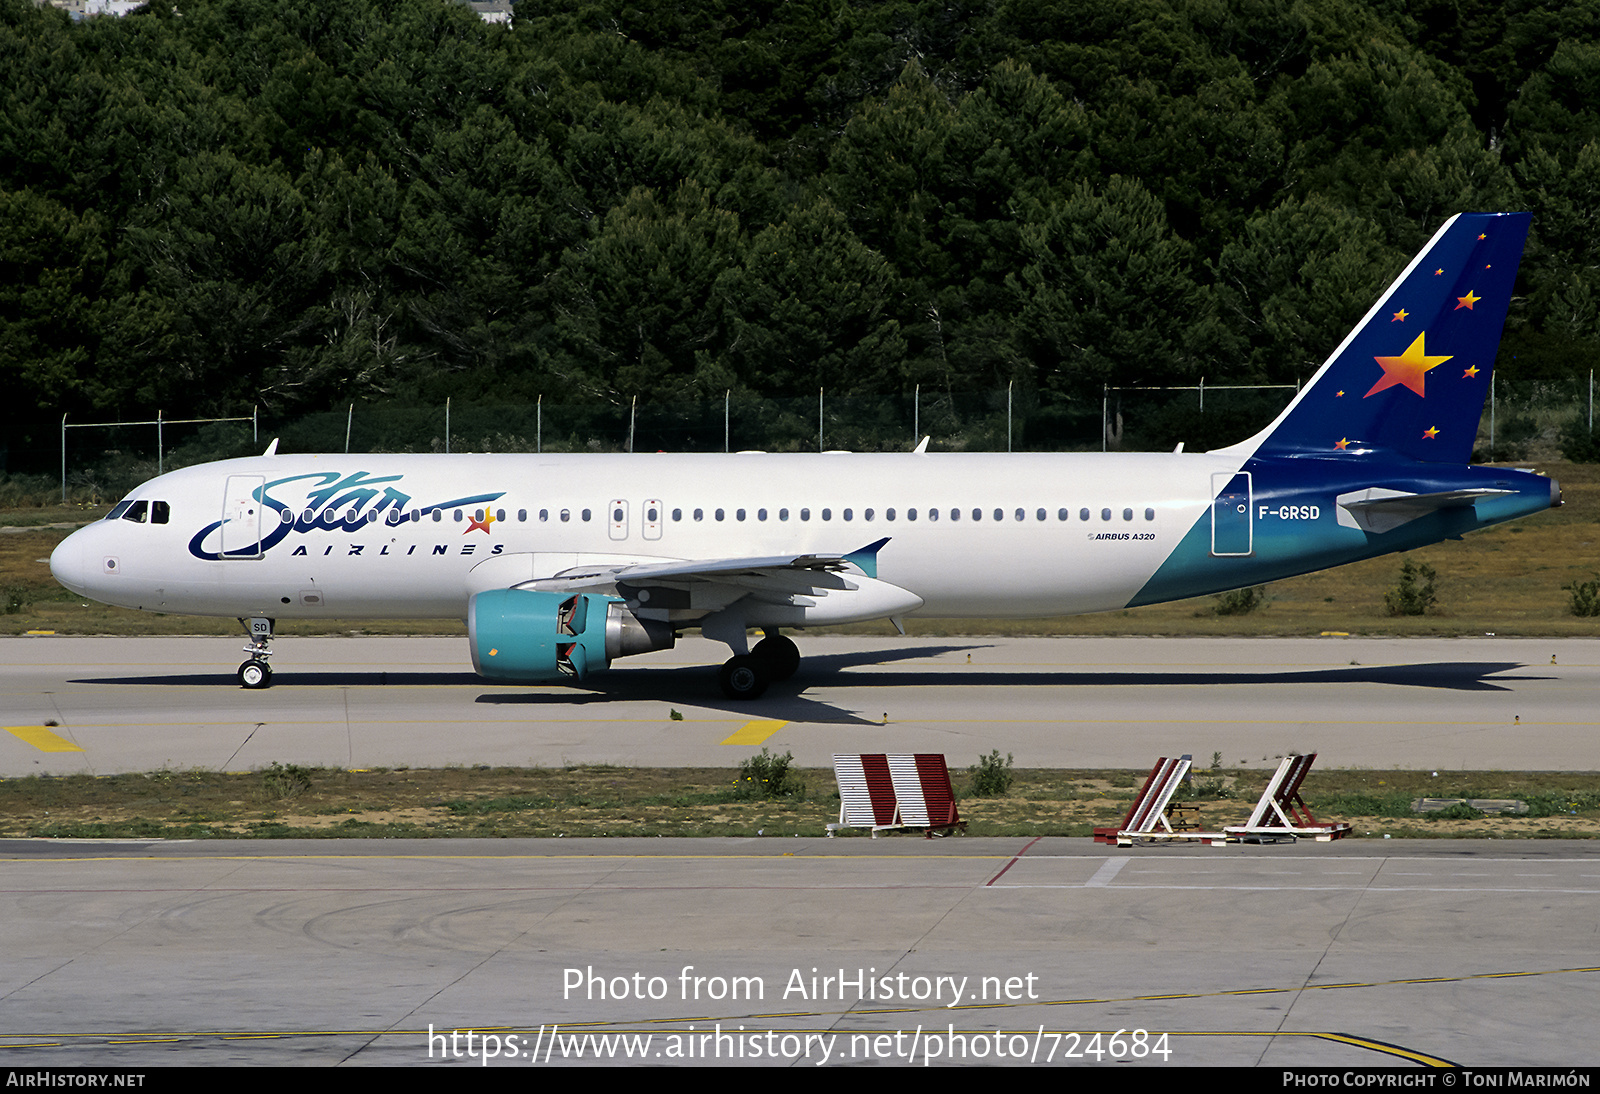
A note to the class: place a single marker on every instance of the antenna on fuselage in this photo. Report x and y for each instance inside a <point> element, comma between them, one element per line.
<point>922,447</point>
<point>272,449</point>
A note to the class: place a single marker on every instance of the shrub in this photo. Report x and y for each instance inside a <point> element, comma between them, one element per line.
<point>282,781</point>
<point>1241,601</point>
<point>990,777</point>
<point>1578,443</point>
<point>1585,597</point>
<point>1416,592</point>
<point>767,776</point>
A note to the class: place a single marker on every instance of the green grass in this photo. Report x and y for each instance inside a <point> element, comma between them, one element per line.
<point>285,801</point>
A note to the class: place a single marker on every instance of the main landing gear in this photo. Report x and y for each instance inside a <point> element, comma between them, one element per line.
<point>257,673</point>
<point>746,676</point>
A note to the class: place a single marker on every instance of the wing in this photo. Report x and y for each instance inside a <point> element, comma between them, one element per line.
<point>771,590</point>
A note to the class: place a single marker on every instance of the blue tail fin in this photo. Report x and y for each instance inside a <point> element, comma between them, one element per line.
<point>1411,379</point>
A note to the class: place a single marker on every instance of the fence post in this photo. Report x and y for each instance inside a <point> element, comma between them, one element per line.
<point>820,446</point>
<point>446,428</point>
<point>63,459</point>
<point>161,447</point>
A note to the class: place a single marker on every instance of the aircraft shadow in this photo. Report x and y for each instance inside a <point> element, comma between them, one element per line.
<point>697,687</point>
<point>802,699</point>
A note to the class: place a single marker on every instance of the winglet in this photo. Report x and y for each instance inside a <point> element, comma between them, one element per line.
<point>866,559</point>
<point>272,449</point>
<point>922,446</point>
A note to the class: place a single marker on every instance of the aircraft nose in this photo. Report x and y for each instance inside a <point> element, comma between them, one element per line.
<point>68,562</point>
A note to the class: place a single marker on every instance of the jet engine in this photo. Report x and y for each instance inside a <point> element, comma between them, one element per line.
<point>528,637</point>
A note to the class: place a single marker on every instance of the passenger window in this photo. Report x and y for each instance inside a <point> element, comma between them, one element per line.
<point>1127,514</point>
<point>848,515</point>
<point>738,514</point>
<point>1022,515</point>
<point>783,514</point>
<point>888,514</point>
<point>933,514</point>
<point>588,514</point>
<point>977,514</point>
<point>522,516</point>
<point>457,515</point>
<point>1105,514</point>
<point>699,514</point>
<point>805,514</point>
<point>761,514</point>
<point>544,515</point>
<point>827,514</point>
<point>566,515</point>
<point>719,514</point>
<point>955,514</point>
<point>677,515</point>
<point>1149,514</point>
<point>1040,514</point>
<point>1083,514</point>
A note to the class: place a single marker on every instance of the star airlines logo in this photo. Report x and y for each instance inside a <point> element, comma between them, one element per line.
<point>485,523</point>
<point>1408,369</point>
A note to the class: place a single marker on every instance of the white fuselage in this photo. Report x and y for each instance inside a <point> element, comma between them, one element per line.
<point>985,535</point>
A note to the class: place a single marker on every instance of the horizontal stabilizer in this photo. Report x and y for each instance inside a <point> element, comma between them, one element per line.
<point>1378,509</point>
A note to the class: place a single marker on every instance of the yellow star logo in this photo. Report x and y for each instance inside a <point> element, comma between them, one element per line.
<point>1466,301</point>
<point>1342,443</point>
<point>1470,373</point>
<point>1407,369</point>
<point>1400,316</point>
<point>1431,432</point>
<point>485,523</point>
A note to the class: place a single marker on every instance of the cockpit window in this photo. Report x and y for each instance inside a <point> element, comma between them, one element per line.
<point>159,511</point>
<point>116,513</point>
<point>139,512</point>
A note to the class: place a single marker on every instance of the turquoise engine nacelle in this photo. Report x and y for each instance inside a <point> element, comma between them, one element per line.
<point>523,636</point>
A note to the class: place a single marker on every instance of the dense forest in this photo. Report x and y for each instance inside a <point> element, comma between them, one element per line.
<point>298,204</point>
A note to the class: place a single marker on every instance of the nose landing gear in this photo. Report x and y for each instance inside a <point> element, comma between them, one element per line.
<point>256,673</point>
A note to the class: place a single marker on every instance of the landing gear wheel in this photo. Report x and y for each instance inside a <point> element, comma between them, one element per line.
<point>255,675</point>
<point>779,655</point>
<point>743,678</point>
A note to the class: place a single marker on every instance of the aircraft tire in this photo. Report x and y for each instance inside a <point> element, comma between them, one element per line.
<point>255,675</point>
<point>779,654</point>
<point>742,678</point>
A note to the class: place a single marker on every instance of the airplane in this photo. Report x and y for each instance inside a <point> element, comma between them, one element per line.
<point>561,564</point>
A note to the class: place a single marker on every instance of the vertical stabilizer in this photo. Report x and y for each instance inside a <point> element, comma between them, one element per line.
<point>1412,378</point>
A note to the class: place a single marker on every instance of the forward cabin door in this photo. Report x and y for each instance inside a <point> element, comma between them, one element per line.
<point>242,516</point>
